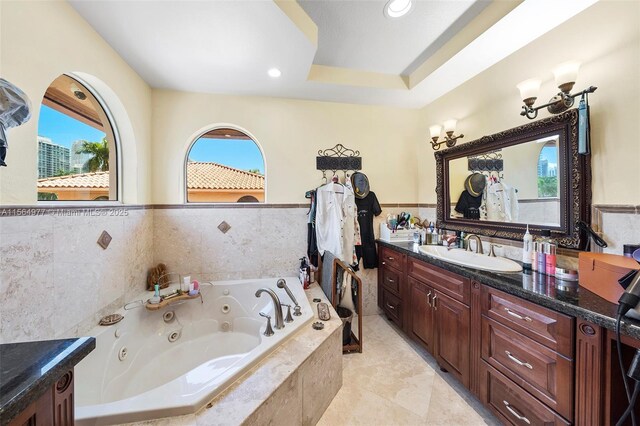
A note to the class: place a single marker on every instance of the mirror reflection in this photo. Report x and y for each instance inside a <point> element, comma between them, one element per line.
<point>517,184</point>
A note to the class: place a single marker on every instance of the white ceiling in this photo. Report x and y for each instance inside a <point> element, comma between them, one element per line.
<point>227,47</point>
<point>357,34</point>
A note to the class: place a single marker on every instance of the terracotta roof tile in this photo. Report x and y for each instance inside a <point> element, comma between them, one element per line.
<point>216,176</point>
<point>199,176</point>
<point>82,180</point>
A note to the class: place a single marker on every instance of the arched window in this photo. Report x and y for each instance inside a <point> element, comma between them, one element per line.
<point>548,170</point>
<point>225,166</point>
<point>77,150</point>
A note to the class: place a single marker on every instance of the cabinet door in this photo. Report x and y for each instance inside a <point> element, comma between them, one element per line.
<point>452,336</point>
<point>422,327</point>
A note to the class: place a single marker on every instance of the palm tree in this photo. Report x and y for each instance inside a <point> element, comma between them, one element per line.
<point>100,152</point>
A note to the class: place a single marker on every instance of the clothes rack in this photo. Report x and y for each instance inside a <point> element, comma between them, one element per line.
<point>339,267</point>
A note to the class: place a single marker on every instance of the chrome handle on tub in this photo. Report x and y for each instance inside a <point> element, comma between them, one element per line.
<point>517,361</point>
<point>514,314</point>
<point>429,299</point>
<point>393,308</point>
<point>515,412</point>
<point>268,331</point>
<point>433,302</point>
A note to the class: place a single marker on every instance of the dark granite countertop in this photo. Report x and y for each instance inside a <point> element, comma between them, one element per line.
<point>541,289</point>
<point>28,369</point>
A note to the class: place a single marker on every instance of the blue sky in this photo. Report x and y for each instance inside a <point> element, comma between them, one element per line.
<point>64,130</point>
<point>238,153</point>
<point>550,153</point>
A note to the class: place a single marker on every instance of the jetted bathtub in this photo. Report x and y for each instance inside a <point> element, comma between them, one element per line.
<point>156,364</point>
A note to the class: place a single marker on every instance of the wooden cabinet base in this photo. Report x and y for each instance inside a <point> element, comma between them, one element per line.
<point>55,407</point>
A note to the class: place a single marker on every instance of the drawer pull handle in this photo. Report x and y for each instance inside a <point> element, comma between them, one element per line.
<point>433,302</point>
<point>390,280</point>
<point>514,314</point>
<point>390,258</point>
<point>517,361</point>
<point>429,299</point>
<point>384,263</point>
<point>515,413</point>
<point>393,308</point>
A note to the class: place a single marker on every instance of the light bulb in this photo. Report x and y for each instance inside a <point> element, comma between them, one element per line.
<point>274,73</point>
<point>529,90</point>
<point>450,126</point>
<point>434,131</point>
<point>566,75</point>
<point>397,8</point>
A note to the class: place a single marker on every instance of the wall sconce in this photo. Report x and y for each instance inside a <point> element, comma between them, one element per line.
<point>565,75</point>
<point>449,138</point>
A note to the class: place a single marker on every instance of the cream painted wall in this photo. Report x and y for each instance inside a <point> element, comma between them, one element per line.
<point>610,56</point>
<point>290,133</point>
<point>39,40</point>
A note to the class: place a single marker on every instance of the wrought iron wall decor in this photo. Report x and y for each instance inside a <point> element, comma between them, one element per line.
<point>338,158</point>
<point>488,163</point>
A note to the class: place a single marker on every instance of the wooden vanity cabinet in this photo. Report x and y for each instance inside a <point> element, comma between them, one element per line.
<point>439,317</point>
<point>55,407</point>
<point>391,285</point>
<point>517,357</point>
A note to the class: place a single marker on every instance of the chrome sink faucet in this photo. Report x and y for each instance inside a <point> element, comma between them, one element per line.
<point>479,248</point>
<point>277,306</point>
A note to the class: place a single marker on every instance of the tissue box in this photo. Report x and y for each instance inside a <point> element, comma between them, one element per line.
<point>400,235</point>
<point>600,272</point>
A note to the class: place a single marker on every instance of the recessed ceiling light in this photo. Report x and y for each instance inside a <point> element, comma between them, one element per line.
<point>274,73</point>
<point>397,8</point>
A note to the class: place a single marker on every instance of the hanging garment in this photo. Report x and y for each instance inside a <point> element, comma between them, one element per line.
<point>335,221</point>
<point>501,203</point>
<point>469,205</point>
<point>312,244</point>
<point>15,109</point>
<point>368,207</point>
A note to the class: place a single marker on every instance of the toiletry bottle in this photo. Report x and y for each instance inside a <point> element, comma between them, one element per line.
<point>551,259</point>
<point>534,256</point>
<point>527,250</point>
<point>185,283</point>
<point>541,257</point>
<point>461,241</point>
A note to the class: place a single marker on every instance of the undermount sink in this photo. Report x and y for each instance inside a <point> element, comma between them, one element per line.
<point>471,259</point>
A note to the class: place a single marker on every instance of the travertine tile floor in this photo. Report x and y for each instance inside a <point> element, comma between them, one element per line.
<point>394,382</point>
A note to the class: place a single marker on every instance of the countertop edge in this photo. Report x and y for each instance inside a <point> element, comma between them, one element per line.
<point>31,393</point>
<point>494,280</point>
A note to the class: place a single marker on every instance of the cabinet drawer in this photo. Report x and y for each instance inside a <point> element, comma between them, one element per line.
<point>391,280</point>
<point>453,285</point>
<point>392,258</point>
<point>510,403</point>
<point>539,370</point>
<point>391,306</point>
<point>543,325</point>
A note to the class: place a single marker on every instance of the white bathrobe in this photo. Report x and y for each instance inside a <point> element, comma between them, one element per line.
<point>335,221</point>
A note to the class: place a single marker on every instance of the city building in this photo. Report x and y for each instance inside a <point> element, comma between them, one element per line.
<point>543,167</point>
<point>52,159</point>
<point>78,161</point>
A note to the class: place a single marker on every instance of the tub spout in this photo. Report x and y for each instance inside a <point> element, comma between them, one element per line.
<point>277,307</point>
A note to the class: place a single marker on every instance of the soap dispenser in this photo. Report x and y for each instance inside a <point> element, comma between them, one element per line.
<point>527,250</point>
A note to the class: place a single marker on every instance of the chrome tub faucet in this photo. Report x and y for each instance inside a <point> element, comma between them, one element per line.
<point>277,306</point>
